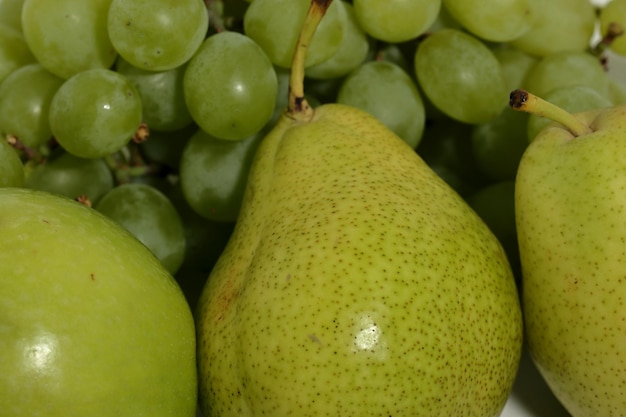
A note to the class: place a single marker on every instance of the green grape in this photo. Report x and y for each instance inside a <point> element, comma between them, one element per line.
<point>396,20</point>
<point>149,216</point>
<point>233,9</point>
<point>205,238</point>
<point>227,99</point>
<point>204,242</point>
<point>498,145</point>
<point>614,12</point>
<point>567,68</point>
<point>460,76</point>
<point>11,167</point>
<point>394,53</point>
<point>95,113</point>
<point>574,99</point>
<point>162,96</point>
<point>447,149</point>
<point>324,90</point>
<point>282,96</point>
<point>214,172</point>
<point>157,35</point>
<point>275,26</point>
<point>11,13</point>
<point>72,177</point>
<point>166,148</point>
<point>515,65</point>
<point>444,20</point>
<point>559,25</point>
<point>25,97</point>
<point>68,36</point>
<point>495,204</point>
<point>498,21</point>
<point>352,50</point>
<point>14,51</point>
<point>617,91</point>
<point>388,93</point>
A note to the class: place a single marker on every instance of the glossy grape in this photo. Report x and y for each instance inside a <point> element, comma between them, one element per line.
<point>14,51</point>
<point>72,177</point>
<point>564,69</point>
<point>11,13</point>
<point>446,147</point>
<point>396,20</point>
<point>617,91</point>
<point>225,98</point>
<point>157,35</point>
<point>150,216</point>
<point>25,97</point>
<point>95,113</point>
<point>498,21</point>
<point>162,96</point>
<point>352,50</point>
<point>461,76</point>
<point>444,20</point>
<point>204,242</point>
<point>68,36</point>
<point>515,65</point>
<point>498,145</point>
<point>559,25</point>
<point>11,167</point>
<point>214,172</point>
<point>275,26</point>
<point>386,91</point>
<point>166,148</point>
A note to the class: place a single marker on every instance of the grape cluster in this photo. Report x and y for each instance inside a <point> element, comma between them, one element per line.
<point>151,110</point>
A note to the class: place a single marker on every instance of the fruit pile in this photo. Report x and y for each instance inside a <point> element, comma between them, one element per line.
<point>151,112</point>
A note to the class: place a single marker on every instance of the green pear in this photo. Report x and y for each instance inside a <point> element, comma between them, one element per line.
<point>356,282</point>
<point>91,324</point>
<point>570,205</point>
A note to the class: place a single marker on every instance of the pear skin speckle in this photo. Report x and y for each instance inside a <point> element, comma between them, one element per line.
<point>571,206</point>
<point>356,283</point>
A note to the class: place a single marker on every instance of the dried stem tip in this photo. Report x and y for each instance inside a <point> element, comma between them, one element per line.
<point>522,100</point>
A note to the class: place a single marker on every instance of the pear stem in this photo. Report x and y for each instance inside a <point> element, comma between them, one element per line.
<point>297,104</point>
<point>522,100</point>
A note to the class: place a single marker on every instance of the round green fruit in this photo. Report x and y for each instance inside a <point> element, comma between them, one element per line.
<point>91,324</point>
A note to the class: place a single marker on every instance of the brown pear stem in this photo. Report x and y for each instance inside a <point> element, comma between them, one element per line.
<point>522,100</point>
<point>297,104</point>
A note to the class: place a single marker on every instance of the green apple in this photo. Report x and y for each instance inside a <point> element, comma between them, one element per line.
<point>91,324</point>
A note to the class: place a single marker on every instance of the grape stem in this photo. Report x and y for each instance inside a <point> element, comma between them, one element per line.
<point>613,31</point>
<point>215,8</point>
<point>297,106</point>
<point>142,133</point>
<point>522,100</point>
<point>37,155</point>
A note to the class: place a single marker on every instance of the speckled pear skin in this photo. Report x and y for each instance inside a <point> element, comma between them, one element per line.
<point>356,283</point>
<point>571,219</point>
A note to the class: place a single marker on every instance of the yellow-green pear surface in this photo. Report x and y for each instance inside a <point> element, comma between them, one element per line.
<point>356,283</point>
<point>571,221</point>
